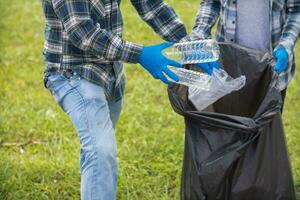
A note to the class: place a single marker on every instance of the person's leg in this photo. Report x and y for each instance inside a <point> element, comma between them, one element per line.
<point>86,105</point>
<point>115,110</point>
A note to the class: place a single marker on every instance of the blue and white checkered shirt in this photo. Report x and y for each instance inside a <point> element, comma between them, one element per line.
<point>284,26</point>
<point>85,36</point>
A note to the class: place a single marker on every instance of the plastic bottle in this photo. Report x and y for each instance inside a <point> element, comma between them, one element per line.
<point>191,78</point>
<point>221,84</point>
<point>193,52</point>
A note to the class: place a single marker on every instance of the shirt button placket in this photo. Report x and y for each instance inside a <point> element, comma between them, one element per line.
<point>233,22</point>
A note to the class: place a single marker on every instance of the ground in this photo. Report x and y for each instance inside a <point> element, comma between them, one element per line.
<point>149,133</point>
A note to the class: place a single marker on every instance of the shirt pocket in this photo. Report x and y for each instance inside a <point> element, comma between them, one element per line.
<point>54,81</point>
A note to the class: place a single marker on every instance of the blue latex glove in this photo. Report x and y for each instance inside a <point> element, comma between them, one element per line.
<point>155,63</point>
<point>282,57</point>
<point>208,67</point>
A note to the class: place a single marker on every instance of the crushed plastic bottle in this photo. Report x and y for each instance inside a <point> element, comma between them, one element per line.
<point>193,52</point>
<point>220,85</point>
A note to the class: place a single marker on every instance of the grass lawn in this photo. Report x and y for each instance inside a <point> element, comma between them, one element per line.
<point>149,133</point>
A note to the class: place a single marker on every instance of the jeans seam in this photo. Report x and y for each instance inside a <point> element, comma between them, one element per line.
<point>89,129</point>
<point>74,87</point>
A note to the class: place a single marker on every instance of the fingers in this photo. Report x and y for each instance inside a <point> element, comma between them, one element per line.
<point>163,78</point>
<point>173,63</point>
<point>281,61</point>
<point>170,74</point>
<point>215,64</point>
<point>277,65</point>
<point>205,67</point>
<point>160,75</point>
<point>280,66</point>
<point>208,67</point>
<point>165,45</point>
<point>281,56</point>
<point>277,69</point>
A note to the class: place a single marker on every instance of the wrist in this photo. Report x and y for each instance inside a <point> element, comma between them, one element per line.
<point>286,46</point>
<point>131,52</point>
<point>280,47</point>
<point>141,55</point>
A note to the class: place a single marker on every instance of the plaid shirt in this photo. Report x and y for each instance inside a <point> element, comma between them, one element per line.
<point>85,36</point>
<point>284,26</point>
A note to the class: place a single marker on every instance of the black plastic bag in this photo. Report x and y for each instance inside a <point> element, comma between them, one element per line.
<point>235,149</point>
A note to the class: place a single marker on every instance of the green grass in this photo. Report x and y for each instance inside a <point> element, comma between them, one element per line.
<point>149,133</point>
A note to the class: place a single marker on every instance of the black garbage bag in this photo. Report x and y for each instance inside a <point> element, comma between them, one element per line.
<point>235,149</point>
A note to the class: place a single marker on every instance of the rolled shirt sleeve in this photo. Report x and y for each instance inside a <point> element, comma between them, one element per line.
<point>289,36</point>
<point>87,35</point>
<point>161,18</point>
<point>207,15</point>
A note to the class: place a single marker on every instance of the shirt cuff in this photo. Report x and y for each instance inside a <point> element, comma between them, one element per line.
<point>286,47</point>
<point>186,39</point>
<point>131,52</point>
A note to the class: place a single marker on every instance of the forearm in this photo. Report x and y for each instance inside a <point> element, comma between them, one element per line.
<point>207,16</point>
<point>104,44</point>
<point>87,35</point>
<point>162,18</point>
<point>291,28</point>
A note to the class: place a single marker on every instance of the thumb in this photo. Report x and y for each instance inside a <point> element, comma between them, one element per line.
<point>165,45</point>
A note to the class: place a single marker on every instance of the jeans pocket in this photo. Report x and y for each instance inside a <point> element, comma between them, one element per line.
<point>52,81</point>
<point>58,85</point>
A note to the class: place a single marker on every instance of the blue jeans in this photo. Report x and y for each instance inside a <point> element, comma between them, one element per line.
<point>94,118</point>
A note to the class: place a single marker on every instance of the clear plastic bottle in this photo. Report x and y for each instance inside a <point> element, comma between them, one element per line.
<point>193,52</point>
<point>221,84</point>
<point>191,78</point>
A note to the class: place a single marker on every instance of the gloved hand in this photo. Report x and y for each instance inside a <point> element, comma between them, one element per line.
<point>208,67</point>
<point>155,63</point>
<point>282,57</point>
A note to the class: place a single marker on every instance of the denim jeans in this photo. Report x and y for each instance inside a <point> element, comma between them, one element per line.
<point>94,118</point>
